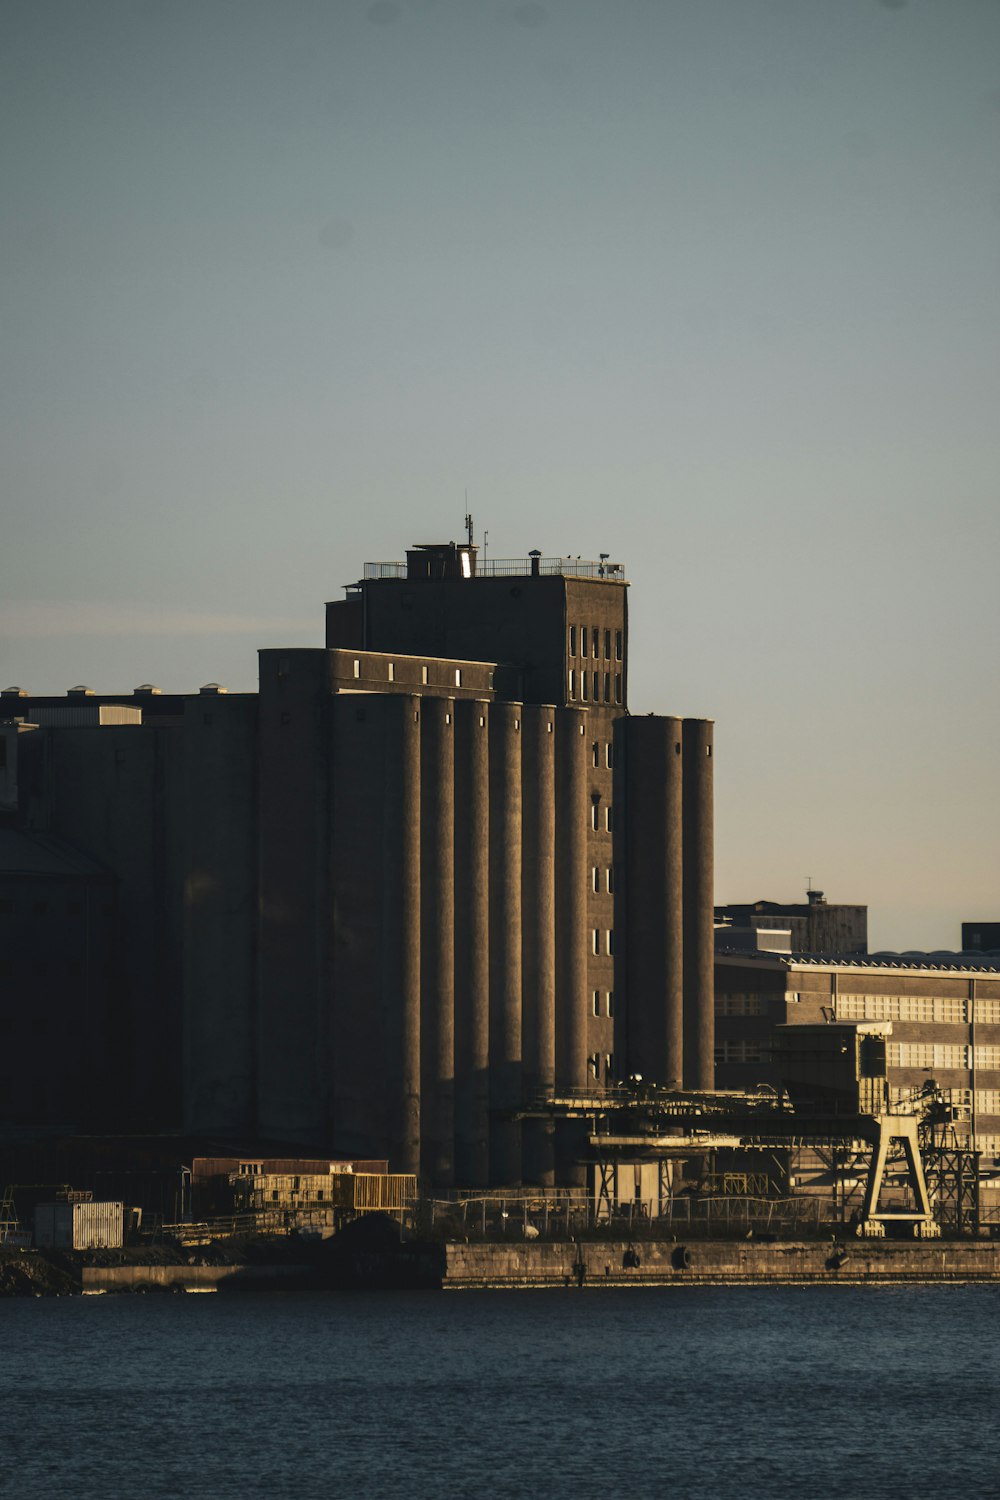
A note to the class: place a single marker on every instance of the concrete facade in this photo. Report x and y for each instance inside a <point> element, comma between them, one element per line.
<point>430,870</point>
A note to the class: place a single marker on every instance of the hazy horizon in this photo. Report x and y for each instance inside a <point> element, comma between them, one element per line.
<point>713,287</point>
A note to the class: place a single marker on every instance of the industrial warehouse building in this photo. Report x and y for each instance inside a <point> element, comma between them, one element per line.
<point>944,1011</point>
<point>428,872</point>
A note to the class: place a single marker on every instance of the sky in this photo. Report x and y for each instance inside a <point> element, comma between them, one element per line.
<point>710,285</point>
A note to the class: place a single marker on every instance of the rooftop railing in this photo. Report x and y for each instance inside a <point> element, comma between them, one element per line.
<point>517,567</point>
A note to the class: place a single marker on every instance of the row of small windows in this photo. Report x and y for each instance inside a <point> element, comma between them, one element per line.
<point>940,1055</point>
<point>456,673</point>
<point>943,1009</point>
<point>738,1005</point>
<point>605,756</point>
<point>585,679</point>
<point>589,639</point>
<point>605,945</point>
<point>608,1003</point>
<point>605,820</point>
<point>602,878</point>
<point>738,1051</point>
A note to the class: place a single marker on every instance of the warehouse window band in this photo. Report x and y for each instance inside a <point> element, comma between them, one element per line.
<point>737,1051</point>
<point>943,1010</point>
<point>939,1055</point>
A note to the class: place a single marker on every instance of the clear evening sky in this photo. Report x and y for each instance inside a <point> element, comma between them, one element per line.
<point>711,285</point>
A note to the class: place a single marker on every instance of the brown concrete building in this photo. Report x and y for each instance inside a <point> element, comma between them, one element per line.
<point>944,1010</point>
<point>431,869</point>
<point>814,926</point>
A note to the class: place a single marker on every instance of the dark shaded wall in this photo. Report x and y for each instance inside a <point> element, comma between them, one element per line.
<point>219,912</point>
<point>115,792</point>
<point>664,777</point>
<point>58,1036</point>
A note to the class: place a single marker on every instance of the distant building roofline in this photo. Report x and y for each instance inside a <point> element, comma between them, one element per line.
<point>942,961</point>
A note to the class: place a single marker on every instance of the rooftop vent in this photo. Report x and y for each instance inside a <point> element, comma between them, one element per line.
<point>14,692</point>
<point>80,691</point>
<point>145,690</point>
<point>213,688</point>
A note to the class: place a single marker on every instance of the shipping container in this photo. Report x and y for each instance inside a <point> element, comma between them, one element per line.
<point>80,1226</point>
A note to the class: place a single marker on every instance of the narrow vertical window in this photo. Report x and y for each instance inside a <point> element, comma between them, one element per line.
<point>611,1002</point>
<point>596,940</point>
<point>458,676</point>
<point>607,645</point>
<point>597,687</point>
<point>609,755</point>
<point>618,645</point>
<point>618,687</point>
<point>610,873</point>
<point>583,640</point>
<point>357,667</point>
<point>595,751</point>
<point>593,815</point>
<point>392,671</point>
<point>595,636</point>
<point>595,877</point>
<point>423,674</point>
<point>572,683</point>
<point>607,687</point>
<point>572,640</point>
<point>611,940</point>
<point>584,676</point>
<point>597,1002</point>
<point>609,818</point>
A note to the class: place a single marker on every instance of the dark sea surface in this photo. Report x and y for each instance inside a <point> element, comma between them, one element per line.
<point>733,1392</point>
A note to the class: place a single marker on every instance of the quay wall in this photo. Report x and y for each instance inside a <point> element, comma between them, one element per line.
<point>717,1262</point>
<point>190,1278</point>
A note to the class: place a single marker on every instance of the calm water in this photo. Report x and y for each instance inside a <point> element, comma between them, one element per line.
<point>735,1392</point>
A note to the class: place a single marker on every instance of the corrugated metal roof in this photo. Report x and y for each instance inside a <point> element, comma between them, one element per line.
<point>940,961</point>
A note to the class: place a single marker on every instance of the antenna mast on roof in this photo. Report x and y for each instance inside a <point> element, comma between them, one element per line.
<point>468,518</point>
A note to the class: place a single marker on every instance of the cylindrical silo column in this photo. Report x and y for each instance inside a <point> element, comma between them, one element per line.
<point>505,941</point>
<point>538,933</point>
<point>699,912</point>
<point>401,932</point>
<point>472,944</point>
<point>654,756</point>
<point>437,954</point>
<point>572,814</point>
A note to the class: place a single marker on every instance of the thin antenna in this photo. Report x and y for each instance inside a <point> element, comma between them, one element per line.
<point>485,535</point>
<point>468,518</point>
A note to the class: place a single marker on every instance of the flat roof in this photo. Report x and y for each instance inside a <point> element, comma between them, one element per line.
<point>940,962</point>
